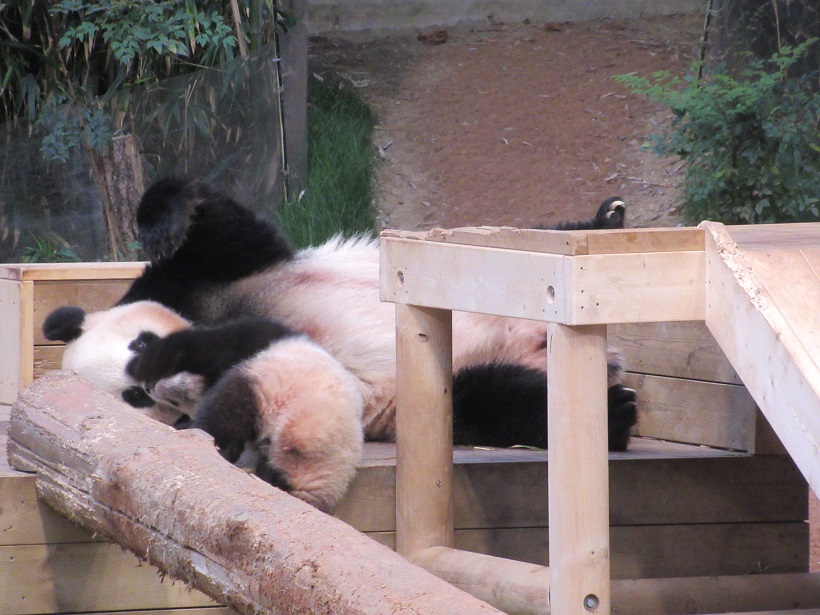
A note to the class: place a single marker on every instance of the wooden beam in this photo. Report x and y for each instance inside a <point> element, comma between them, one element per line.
<point>766,320</point>
<point>424,429</point>
<point>568,243</point>
<point>520,588</point>
<point>578,470</point>
<point>170,498</point>
<point>11,340</point>
<point>71,271</point>
<point>578,290</point>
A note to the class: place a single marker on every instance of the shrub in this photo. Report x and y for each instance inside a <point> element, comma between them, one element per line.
<point>750,142</point>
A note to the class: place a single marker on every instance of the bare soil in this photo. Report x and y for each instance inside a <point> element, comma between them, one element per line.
<point>520,125</point>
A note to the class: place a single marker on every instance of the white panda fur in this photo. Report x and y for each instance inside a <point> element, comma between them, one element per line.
<point>213,260</point>
<point>331,292</point>
<point>99,345</point>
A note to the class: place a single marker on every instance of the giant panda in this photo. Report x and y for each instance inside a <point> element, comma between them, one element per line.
<point>267,394</point>
<point>212,259</point>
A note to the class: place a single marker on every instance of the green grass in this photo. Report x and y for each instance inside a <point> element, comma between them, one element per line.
<point>338,195</point>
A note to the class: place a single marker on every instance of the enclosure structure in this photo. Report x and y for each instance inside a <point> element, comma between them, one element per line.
<point>757,289</point>
<point>735,507</point>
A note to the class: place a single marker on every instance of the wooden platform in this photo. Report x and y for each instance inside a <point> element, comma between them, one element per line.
<point>731,513</point>
<point>708,491</point>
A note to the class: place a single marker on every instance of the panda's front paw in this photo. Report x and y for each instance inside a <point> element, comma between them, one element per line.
<point>623,415</point>
<point>182,391</point>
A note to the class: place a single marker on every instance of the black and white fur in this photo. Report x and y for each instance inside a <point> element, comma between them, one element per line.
<point>213,260</point>
<point>253,384</point>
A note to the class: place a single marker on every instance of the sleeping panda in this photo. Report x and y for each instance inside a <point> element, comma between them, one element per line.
<point>212,260</point>
<point>253,384</point>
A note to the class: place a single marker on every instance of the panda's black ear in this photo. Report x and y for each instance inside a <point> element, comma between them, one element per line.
<point>64,324</point>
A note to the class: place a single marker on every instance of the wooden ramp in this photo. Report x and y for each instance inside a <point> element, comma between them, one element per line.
<point>763,308</point>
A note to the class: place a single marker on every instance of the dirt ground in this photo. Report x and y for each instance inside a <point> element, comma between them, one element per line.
<point>520,124</point>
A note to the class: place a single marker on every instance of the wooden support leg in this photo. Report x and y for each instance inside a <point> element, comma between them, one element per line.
<point>578,472</point>
<point>424,428</point>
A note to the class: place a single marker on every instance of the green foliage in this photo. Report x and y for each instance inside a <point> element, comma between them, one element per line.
<point>49,248</point>
<point>750,142</point>
<point>72,52</point>
<point>338,196</point>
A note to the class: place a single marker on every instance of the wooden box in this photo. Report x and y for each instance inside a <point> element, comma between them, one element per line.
<point>28,293</point>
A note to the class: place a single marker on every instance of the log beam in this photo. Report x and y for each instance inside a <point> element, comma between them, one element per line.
<point>169,497</point>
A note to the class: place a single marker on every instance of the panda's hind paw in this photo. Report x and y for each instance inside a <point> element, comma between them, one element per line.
<point>611,214</point>
<point>623,415</point>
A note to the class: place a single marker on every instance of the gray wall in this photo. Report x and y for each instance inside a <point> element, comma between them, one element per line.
<point>362,18</point>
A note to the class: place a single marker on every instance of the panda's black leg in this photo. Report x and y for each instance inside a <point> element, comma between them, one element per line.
<point>623,415</point>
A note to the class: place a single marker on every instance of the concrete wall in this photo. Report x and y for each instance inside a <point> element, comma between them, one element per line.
<point>362,18</point>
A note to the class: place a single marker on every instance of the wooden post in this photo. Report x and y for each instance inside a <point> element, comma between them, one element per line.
<point>424,428</point>
<point>578,472</point>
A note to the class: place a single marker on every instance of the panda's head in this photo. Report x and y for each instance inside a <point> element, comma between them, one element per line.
<point>100,345</point>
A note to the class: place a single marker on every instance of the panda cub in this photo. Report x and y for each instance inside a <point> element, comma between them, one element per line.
<point>250,383</point>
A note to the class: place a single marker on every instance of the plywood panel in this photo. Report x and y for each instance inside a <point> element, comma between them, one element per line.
<point>693,411</point>
<point>84,577</point>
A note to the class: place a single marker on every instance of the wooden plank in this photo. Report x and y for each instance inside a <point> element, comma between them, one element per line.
<point>646,240</point>
<point>11,338</point>
<point>676,349</point>
<point>578,470</point>
<point>474,279</point>
<point>499,493</point>
<point>25,520</point>
<point>26,333</point>
<point>85,577</point>
<point>773,358</point>
<point>47,359</point>
<point>568,243</point>
<point>170,497</point>
<point>532,589</point>
<point>653,551</point>
<point>765,592</point>
<point>531,240</point>
<point>71,271</point>
<point>424,440</point>
<point>581,290</point>
<point>695,412</point>
<point>643,287</point>
<point>91,295</point>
